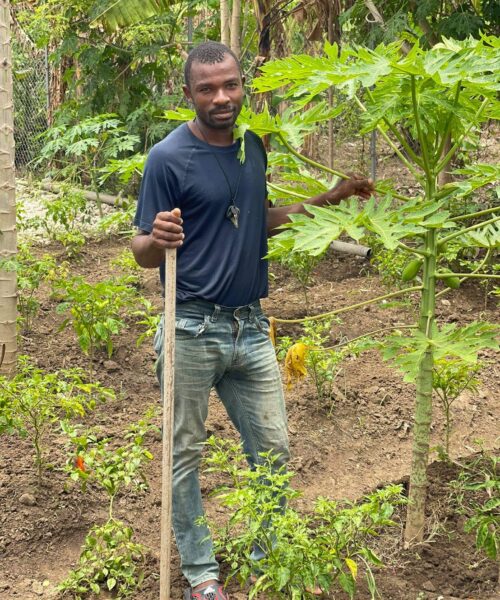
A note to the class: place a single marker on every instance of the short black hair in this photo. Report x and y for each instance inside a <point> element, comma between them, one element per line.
<point>208,53</point>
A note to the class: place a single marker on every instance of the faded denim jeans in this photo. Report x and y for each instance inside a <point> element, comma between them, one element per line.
<point>228,349</point>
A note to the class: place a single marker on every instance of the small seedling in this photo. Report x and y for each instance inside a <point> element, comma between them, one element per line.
<point>451,377</point>
<point>149,317</point>
<point>477,491</point>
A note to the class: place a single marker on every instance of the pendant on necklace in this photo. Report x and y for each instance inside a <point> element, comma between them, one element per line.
<point>233,213</point>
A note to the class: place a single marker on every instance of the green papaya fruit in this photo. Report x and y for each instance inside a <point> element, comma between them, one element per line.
<point>452,282</point>
<point>411,269</point>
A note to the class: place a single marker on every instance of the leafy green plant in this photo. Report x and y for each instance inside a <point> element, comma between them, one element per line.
<point>33,402</point>
<point>95,311</point>
<point>388,263</point>
<point>126,264</point>
<point>110,558</point>
<point>431,96</point>
<point>65,213</point>
<point>119,221</point>
<point>149,317</point>
<point>301,266</point>
<point>78,151</point>
<point>297,552</point>
<point>109,468</point>
<point>31,273</point>
<point>283,344</point>
<point>451,377</point>
<point>323,364</point>
<point>477,491</point>
<point>126,169</point>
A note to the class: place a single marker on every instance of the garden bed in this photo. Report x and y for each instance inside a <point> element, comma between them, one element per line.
<point>357,441</point>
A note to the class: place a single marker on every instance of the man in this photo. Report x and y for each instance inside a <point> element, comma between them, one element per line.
<point>197,197</point>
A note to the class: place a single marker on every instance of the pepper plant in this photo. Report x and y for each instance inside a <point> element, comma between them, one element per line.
<point>31,273</point>
<point>450,377</point>
<point>96,311</point>
<point>110,557</point>
<point>33,402</point>
<point>477,492</point>
<point>290,554</point>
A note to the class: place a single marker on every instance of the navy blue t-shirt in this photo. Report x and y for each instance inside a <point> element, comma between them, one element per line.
<point>217,262</point>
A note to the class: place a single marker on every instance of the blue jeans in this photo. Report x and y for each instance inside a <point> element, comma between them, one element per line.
<point>228,349</point>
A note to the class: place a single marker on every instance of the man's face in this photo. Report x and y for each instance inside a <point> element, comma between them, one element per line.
<point>216,90</point>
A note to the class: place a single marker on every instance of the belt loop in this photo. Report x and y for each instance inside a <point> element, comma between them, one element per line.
<point>252,317</point>
<point>215,314</point>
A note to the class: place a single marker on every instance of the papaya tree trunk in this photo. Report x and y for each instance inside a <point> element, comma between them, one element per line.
<point>8,305</point>
<point>415,516</point>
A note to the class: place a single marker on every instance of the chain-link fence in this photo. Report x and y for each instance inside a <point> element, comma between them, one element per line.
<point>30,84</point>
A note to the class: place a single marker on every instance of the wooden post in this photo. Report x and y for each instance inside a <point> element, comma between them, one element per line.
<point>168,422</point>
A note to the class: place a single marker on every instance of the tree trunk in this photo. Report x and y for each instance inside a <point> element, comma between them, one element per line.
<point>235,28</point>
<point>225,20</point>
<point>415,516</point>
<point>8,295</point>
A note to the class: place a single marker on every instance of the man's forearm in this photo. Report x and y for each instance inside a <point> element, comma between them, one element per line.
<point>145,253</point>
<point>279,215</point>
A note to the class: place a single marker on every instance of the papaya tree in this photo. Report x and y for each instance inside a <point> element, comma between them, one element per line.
<point>447,91</point>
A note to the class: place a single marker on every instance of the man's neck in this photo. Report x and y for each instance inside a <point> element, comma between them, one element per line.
<point>214,137</point>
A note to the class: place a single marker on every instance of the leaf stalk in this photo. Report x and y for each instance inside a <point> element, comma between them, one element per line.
<point>332,313</point>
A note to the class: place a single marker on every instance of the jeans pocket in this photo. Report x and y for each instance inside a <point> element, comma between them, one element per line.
<point>263,323</point>
<point>191,327</point>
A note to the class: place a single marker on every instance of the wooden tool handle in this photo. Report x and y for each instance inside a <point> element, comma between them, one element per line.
<point>168,422</point>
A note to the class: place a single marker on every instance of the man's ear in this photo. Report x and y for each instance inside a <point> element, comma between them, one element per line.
<point>187,93</point>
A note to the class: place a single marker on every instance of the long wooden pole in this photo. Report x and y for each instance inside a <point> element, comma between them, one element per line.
<point>168,422</point>
<point>8,280</point>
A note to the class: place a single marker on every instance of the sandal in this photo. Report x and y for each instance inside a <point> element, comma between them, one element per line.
<point>213,591</point>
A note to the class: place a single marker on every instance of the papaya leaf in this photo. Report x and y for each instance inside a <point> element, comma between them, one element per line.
<point>388,224</point>
<point>488,237</point>
<point>478,175</point>
<point>407,352</point>
<point>179,114</point>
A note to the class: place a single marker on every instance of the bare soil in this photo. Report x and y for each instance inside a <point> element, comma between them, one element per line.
<point>358,441</point>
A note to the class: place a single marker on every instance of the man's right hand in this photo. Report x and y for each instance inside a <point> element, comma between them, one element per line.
<point>149,248</point>
<point>167,230</point>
